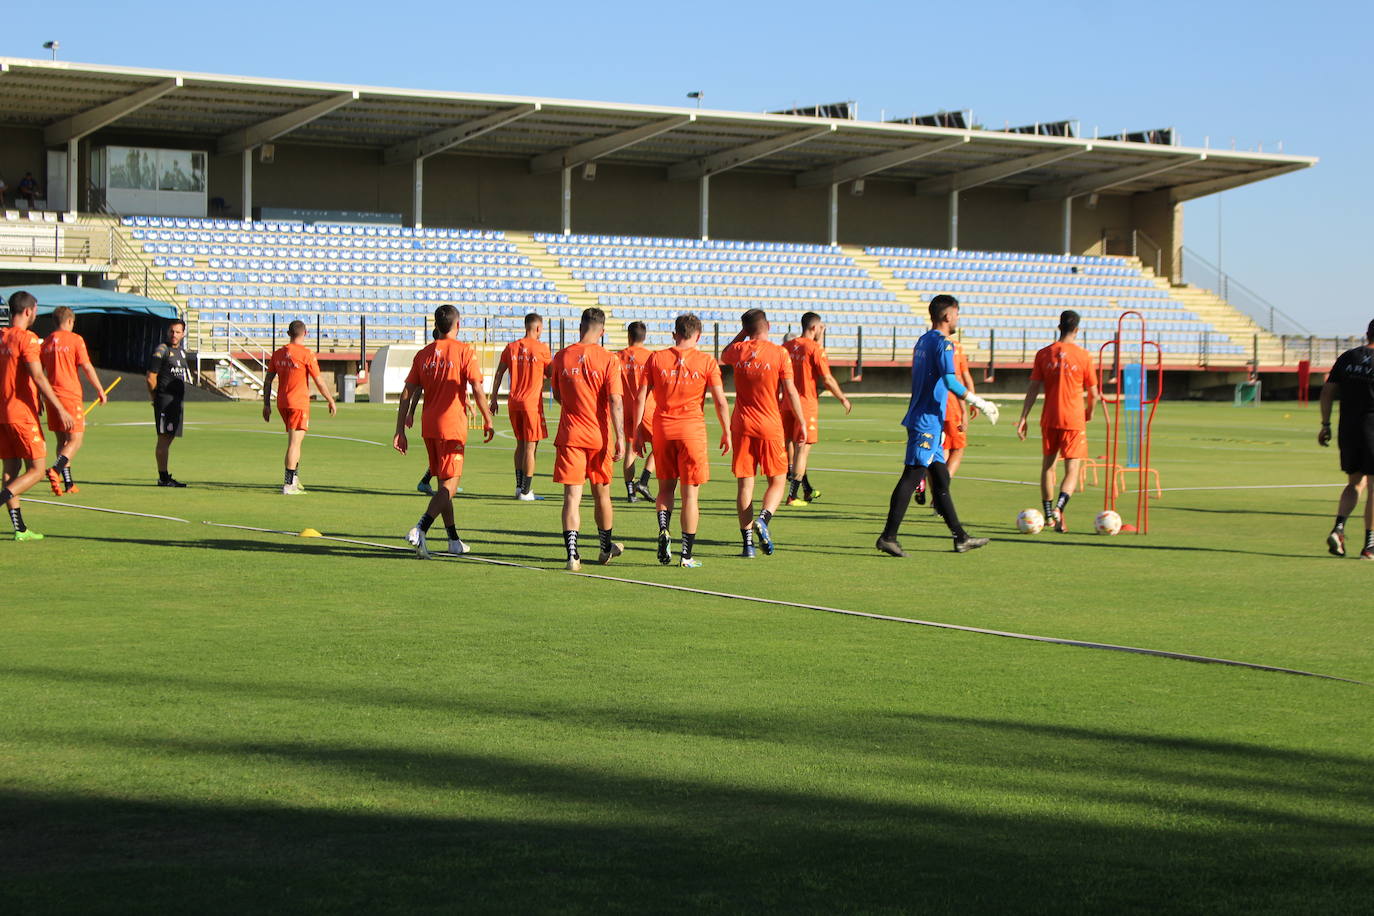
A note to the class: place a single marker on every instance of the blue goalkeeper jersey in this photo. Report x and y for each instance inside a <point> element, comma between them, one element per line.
<point>931,360</point>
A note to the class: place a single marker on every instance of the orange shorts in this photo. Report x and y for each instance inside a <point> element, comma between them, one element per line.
<point>445,457</point>
<point>294,418</point>
<point>528,422</point>
<point>954,436</point>
<point>22,440</point>
<point>575,465</point>
<point>813,424</point>
<point>759,455</point>
<point>77,409</point>
<point>1066,443</point>
<point>681,459</point>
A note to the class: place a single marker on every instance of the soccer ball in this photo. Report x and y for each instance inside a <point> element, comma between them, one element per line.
<point>1030,521</point>
<point>1107,522</point>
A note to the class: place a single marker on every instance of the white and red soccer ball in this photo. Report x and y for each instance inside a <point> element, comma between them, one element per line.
<point>1107,522</point>
<point>1030,521</point>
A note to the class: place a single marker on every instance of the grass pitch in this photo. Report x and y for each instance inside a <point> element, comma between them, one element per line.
<point>198,718</point>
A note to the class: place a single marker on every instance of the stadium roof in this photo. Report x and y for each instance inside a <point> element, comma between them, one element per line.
<point>232,114</point>
<point>91,300</point>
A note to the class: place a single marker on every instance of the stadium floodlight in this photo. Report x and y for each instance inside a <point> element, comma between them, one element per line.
<point>698,95</point>
<point>52,46</point>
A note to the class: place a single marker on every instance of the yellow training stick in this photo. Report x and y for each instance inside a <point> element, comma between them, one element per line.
<point>96,402</point>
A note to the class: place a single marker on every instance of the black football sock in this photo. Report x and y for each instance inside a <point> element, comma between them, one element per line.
<point>520,481</point>
<point>644,477</point>
<point>425,521</point>
<point>766,516</point>
<point>529,483</point>
<point>1369,539</point>
<point>944,503</point>
<point>688,542</point>
<point>912,475</point>
<point>806,485</point>
<point>164,475</point>
<point>1340,524</point>
<point>1063,502</point>
<point>290,476</point>
<point>792,484</point>
<point>60,463</point>
<point>66,471</point>
<point>429,475</point>
<point>665,518</point>
<point>451,531</point>
<point>1049,509</point>
<point>604,537</point>
<point>747,535</point>
<point>570,542</point>
<point>17,518</point>
<point>5,495</point>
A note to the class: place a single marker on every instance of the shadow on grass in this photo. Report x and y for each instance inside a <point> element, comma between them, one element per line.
<point>586,838</point>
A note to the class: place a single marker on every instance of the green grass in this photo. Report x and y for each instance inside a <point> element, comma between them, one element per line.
<point>202,719</point>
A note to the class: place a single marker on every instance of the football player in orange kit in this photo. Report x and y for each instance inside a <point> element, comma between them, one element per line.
<point>679,379</point>
<point>810,372</point>
<point>632,359</point>
<point>65,360</point>
<point>445,371</point>
<point>527,361</point>
<point>294,367</point>
<point>1066,372</point>
<point>586,383</point>
<point>22,445</point>
<point>762,371</point>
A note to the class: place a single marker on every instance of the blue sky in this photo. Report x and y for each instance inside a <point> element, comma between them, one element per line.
<point>1255,72</point>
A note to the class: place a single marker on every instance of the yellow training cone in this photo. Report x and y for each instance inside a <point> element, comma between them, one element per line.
<point>310,533</point>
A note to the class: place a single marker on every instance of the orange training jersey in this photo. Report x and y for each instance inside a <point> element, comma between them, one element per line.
<point>62,353</point>
<point>954,411</point>
<point>760,367</point>
<point>585,376</point>
<point>809,368</point>
<point>527,361</point>
<point>1066,370</point>
<point>678,380</point>
<point>444,369</point>
<point>294,365</point>
<point>18,393</point>
<point>632,360</point>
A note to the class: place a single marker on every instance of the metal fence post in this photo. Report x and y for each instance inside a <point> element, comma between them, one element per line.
<point>716,325</point>
<point>859,356</point>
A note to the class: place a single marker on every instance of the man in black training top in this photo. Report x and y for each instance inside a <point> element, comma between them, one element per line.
<point>1352,377</point>
<point>168,373</point>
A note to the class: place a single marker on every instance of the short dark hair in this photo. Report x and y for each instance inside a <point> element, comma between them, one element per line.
<point>1369,335</point>
<point>1068,321</point>
<point>940,305</point>
<point>62,313</point>
<point>21,302</point>
<point>636,331</point>
<point>295,328</point>
<point>809,320</point>
<point>532,319</point>
<point>174,322</point>
<point>686,326</point>
<point>591,317</point>
<point>445,317</point>
<point>753,321</point>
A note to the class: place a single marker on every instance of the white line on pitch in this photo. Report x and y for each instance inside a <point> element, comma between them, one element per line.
<point>67,505</point>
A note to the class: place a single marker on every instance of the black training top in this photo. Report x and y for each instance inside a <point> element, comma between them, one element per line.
<point>173,373</point>
<point>1354,372</point>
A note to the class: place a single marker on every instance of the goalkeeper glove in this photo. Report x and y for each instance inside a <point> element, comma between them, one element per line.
<point>986,407</point>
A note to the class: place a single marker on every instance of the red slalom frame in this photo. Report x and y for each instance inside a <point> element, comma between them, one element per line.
<point>1142,510</point>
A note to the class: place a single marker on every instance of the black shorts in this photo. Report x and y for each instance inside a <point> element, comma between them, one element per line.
<point>1356,442</point>
<point>167,417</point>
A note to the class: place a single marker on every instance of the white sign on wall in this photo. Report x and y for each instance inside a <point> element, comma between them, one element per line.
<point>151,182</point>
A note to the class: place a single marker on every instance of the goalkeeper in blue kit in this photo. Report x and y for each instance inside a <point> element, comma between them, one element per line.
<point>933,379</point>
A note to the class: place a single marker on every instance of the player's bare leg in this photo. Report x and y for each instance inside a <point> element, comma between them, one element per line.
<point>1355,487</point>
<point>772,499</point>
<point>572,523</point>
<point>663,508</point>
<point>525,457</point>
<point>605,524</point>
<point>60,474</point>
<point>19,476</point>
<point>691,514</point>
<point>955,457</point>
<point>162,450</point>
<point>291,482</point>
<point>744,508</point>
<point>1048,482</point>
<point>440,507</point>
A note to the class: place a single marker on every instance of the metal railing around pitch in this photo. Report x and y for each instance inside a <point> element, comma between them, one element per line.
<point>1201,272</point>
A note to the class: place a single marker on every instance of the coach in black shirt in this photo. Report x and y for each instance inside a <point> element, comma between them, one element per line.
<point>168,373</point>
<point>1352,377</point>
